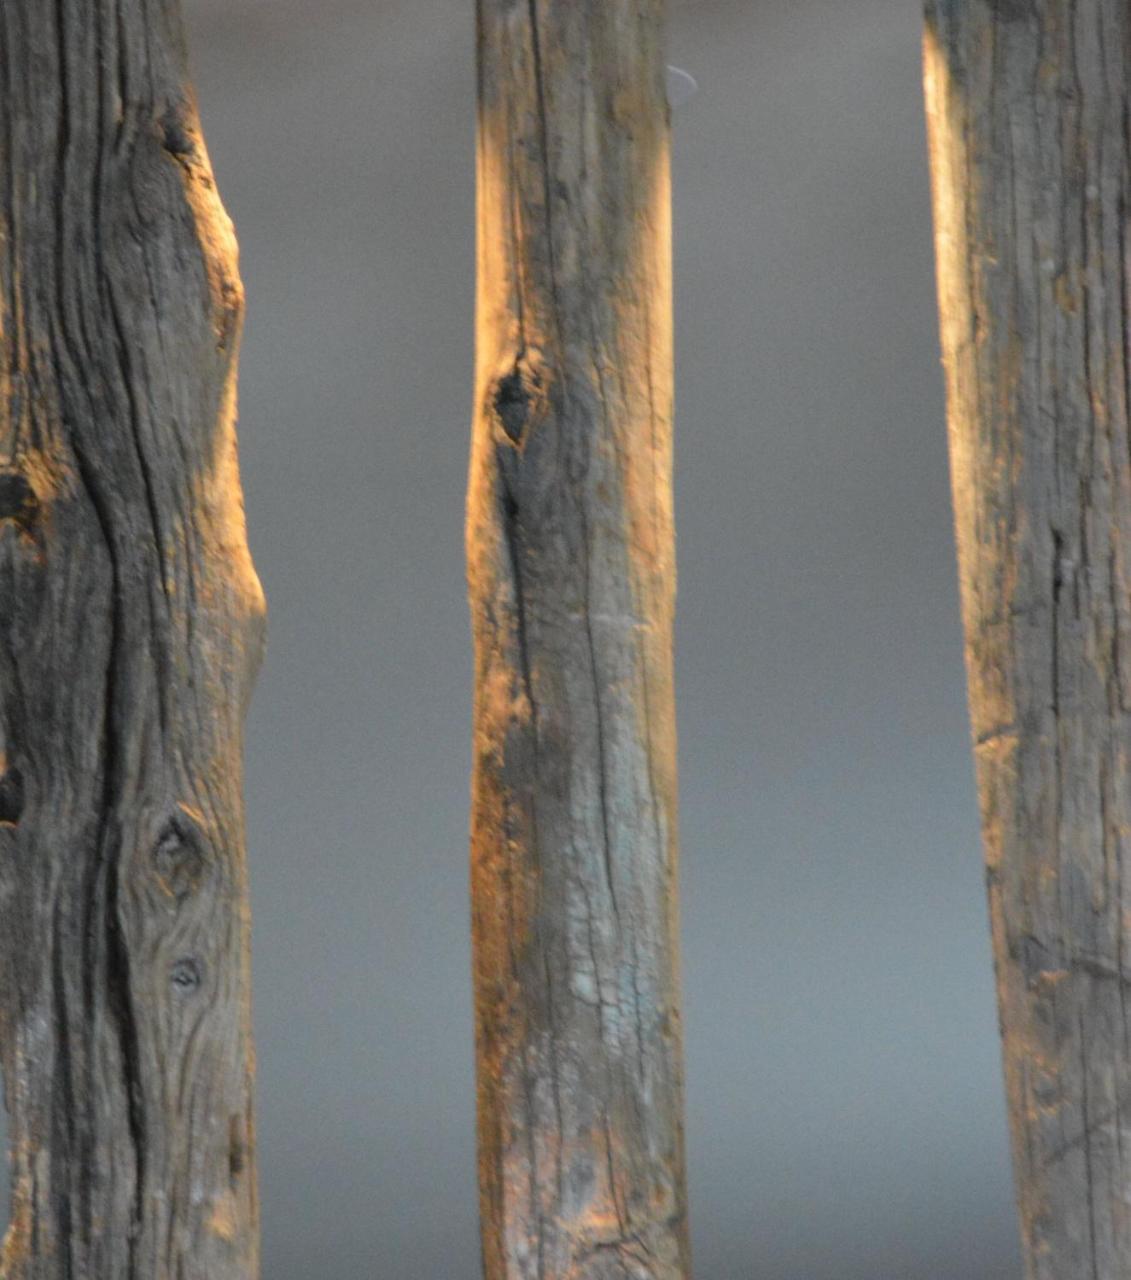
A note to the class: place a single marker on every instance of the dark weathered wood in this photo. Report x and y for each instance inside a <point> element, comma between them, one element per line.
<point>131,624</point>
<point>572,577</point>
<point>1029,108</point>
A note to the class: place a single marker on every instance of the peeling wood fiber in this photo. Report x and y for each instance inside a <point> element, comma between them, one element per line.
<point>571,570</point>
<point>131,624</point>
<point>1028,107</point>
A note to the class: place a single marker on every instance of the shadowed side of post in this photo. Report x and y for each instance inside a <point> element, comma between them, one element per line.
<point>571,569</point>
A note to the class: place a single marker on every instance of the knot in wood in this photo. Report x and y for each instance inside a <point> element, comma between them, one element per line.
<point>11,795</point>
<point>185,976</point>
<point>175,137</point>
<point>179,856</point>
<point>517,398</point>
<point>512,404</point>
<point>18,501</point>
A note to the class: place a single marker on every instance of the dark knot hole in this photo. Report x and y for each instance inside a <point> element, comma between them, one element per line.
<point>11,796</point>
<point>179,855</point>
<point>512,404</point>
<point>175,137</point>
<point>185,976</point>
<point>17,498</point>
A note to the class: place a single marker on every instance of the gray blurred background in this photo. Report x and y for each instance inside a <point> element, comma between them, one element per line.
<point>845,1114</point>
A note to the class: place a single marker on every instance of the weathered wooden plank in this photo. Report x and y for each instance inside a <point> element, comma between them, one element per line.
<point>1028,105</point>
<point>131,625</point>
<point>571,568</point>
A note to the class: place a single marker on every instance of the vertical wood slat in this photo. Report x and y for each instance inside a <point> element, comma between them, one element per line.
<point>571,570</point>
<point>1028,110</point>
<point>131,625</point>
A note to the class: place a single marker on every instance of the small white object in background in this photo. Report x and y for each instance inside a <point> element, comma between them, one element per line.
<point>682,87</point>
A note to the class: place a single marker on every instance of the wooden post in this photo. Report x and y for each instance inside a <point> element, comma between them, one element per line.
<point>1028,105</point>
<point>571,570</point>
<point>131,624</point>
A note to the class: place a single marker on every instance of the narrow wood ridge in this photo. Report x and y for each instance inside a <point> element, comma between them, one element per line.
<point>571,571</point>
<point>131,627</point>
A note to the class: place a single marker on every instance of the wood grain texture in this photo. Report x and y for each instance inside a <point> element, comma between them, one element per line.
<point>570,552</point>
<point>131,624</point>
<point>1028,105</point>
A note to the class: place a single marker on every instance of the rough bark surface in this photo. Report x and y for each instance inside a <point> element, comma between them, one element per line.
<point>1028,105</point>
<point>570,551</point>
<point>130,627</point>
